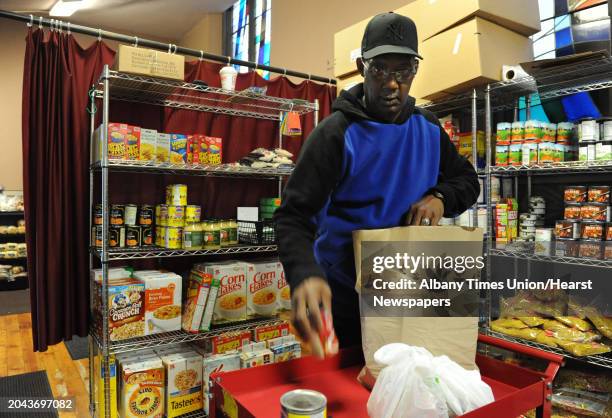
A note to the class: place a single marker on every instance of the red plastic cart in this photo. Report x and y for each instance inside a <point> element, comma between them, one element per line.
<point>256,392</point>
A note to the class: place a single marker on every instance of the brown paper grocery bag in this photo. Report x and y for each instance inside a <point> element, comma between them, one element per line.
<point>455,337</point>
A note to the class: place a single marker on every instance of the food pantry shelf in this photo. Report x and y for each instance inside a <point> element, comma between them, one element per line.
<point>458,103</point>
<point>529,255</point>
<point>566,167</point>
<point>603,360</point>
<point>176,337</point>
<point>189,96</point>
<point>223,170</point>
<point>150,252</point>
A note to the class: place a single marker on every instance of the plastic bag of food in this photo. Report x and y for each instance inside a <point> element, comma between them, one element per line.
<point>509,323</point>
<point>544,338</point>
<point>580,402</point>
<point>593,381</point>
<point>574,322</point>
<point>413,384</point>
<point>532,321</point>
<point>550,295</point>
<point>583,349</point>
<point>573,335</point>
<point>526,333</point>
<point>553,325</point>
<point>602,323</point>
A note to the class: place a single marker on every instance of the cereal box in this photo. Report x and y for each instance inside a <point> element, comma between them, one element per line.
<point>178,149</point>
<point>284,292</point>
<point>162,148</point>
<point>215,150</point>
<point>99,373</point>
<point>117,141</point>
<point>142,388</point>
<point>285,348</point>
<point>210,305</point>
<point>148,142</point>
<point>255,354</point>
<point>231,300</point>
<point>269,332</point>
<point>229,341</point>
<point>183,383</point>
<point>203,149</point>
<point>132,144</point>
<point>125,308</point>
<point>195,302</point>
<point>193,149</point>
<point>262,289</point>
<point>216,364</point>
<point>162,301</point>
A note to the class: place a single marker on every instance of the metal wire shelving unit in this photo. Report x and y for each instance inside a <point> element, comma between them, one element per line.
<point>576,75</point>
<point>118,86</point>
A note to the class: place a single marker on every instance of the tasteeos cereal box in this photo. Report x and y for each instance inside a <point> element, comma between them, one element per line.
<point>132,143</point>
<point>203,149</point>
<point>284,292</point>
<point>163,293</point>
<point>215,150</point>
<point>148,141</point>
<point>216,364</point>
<point>231,300</point>
<point>183,383</point>
<point>195,302</point>
<point>178,149</point>
<point>162,148</point>
<point>262,288</point>
<point>193,149</point>
<point>125,308</point>
<point>142,388</point>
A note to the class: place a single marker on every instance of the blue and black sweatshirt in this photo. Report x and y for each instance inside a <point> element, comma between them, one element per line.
<point>355,172</point>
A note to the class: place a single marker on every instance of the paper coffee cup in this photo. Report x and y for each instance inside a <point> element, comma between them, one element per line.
<point>228,77</point>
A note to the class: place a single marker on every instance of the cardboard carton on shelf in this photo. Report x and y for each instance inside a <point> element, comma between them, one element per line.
<point>149,62</point>
<point>467,56</point>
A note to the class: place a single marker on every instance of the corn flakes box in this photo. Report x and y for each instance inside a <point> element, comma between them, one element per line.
<point>217,363</point>
<point>284,292</point>
<point>132,143</point>
<point>162,148</point>
<point>262,289</point>
<point>183,383</point>
<point>193,149</point>
<point>203,150</point>
<point>142,388</point>
<point>215,150</point>
<point>231,303</point>
<point>148,142</point>
<point>178,149</point>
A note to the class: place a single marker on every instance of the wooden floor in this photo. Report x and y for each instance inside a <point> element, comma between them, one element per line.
<point>66,376</point>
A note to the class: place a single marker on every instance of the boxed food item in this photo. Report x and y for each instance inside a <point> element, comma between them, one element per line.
<point>116,141</point>
<point>262,288</point>
<point>229,341</point>
<point>100,372</point>
<point>269,332</point>
<point>113,273</point>
<point>195,301</point>
<point>215,150</point>
<point>142,388</point>
<point>148,142</point>
<point>149,62</point>
<point>126,309</point>
<point>162,148</point>
<point>193,149</point>
<point>163,292</point>
<point>231,300</point>
<point>284,292</point>
<point>203,149</point>
<point>466,147</point>
<point>217,363</point>
<point>132,144</point>
<point>178,149</point>
<point>255,354</point>
<point>285,348</point>
<point>209,309</point>
<point>183,383</point>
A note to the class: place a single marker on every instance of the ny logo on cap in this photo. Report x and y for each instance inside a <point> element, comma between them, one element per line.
<point>395,31</point>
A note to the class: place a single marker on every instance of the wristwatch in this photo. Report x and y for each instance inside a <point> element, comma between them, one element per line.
<point>437,194</point>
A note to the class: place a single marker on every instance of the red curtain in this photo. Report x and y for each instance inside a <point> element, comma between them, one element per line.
<point>58,74</point>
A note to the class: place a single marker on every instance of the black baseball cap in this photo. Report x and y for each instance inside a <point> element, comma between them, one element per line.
<point>390,33</point>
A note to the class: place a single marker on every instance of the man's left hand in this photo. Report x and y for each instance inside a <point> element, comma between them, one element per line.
<point>430,207</point>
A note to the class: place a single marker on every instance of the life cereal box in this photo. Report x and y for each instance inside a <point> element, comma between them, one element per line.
<point>178,149</point>
<point>262,289</point>
<point>162,148</point>
<point>148,141</point>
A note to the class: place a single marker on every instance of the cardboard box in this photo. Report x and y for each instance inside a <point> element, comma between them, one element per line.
<point>195,301</point>
<point>148,141</point>
<point>216,364</point>
<point>215,150</point>
<point>163,293</point>
<point>285,348</point>
<point>209,309</point>
<point>100,372</point>
<point>142,378</point>
<point>149,62</point>
<point>265,333</point>
<point>183,383</point>
<point>231,302</point>
<point>467,56</point>
<point>436,16</point>
<point>262,289</point>
<point>255,354</point>
<point>284,292</point>
<point>117,141</point>
<point>132,143</point>
<point>162,148</point>
<point>126,309</point>
<point>229,342</point>
<point>178,149</point>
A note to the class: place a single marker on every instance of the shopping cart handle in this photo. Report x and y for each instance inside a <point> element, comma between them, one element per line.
<point>519,348</point>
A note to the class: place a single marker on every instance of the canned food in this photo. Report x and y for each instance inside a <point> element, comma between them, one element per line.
<point>591,250</point>
<point>176,216</point>
<point>575,194</point>
<point>158,214</point>
<point>501,155</point>
<point>116,237</point>
<point>599,194</point>
<point>130,214</point>
<point>595,212</point>
<point>163,215</point>
<point>608,250</point>
<point>96,236</point>
<point>546,151</point>
<point>529,152</point>
<point>133,236</point>
<point>176,195</point>
<point>303,403</point>
<point>587,152</point>
<point>565,131</point>
<point>527,223</point>
<point>567,230</point>
<point>592,231</point>
<point>588,130</point>
<point>174,238</point>
<point>160,236</point>
<point>572,211</point>
<point>98,215</point>
<point>117,215</point>
<point>145,217</point>
<point>515,155</point>
<point>544,234</point>
<point>518,131</point>
<point>147,236</point>
<point>193,214</point>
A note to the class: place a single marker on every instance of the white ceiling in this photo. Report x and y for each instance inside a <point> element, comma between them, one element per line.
<point>159,19</point>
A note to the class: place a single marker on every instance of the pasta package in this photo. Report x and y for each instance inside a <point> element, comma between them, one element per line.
<point>262,289</point>
<point>162,301</point>
<point>532,321</point>
<point>574,322</point>
<point>544,338</point>
<point>602,323</point>
<point>509,323</point>
<point>183,383</point>
<point>584,349</point>
<point>525,333</point>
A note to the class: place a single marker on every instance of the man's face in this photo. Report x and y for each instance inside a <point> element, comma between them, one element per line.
<point>387,83</point>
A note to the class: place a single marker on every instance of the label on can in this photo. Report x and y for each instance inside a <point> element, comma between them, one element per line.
<point>193,214</point>
<point>192,239</point>
<point>146,215</point>
<point>212,238</point>
<point>116,237</point>
<point>96,236</point>
<point>133,236</point>
<point>130,214</point>
<point>224,236</point>
<point>176,216</point>
<point>98,215</point>
<point>302,403</point>
<point>174,238</point>
<point>147,235</point>
<point>176,194</point>
<point>117,215</point>
<point>233,235</point>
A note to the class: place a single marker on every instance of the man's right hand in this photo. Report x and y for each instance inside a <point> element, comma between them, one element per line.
<point>308,298</point>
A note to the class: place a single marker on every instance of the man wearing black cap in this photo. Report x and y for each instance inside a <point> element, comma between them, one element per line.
<point>376,162</point>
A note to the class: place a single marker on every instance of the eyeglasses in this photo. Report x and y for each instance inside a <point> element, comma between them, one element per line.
<point>382,74</point>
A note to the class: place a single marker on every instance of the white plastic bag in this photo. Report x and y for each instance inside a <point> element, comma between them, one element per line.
<point>415,384</point>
